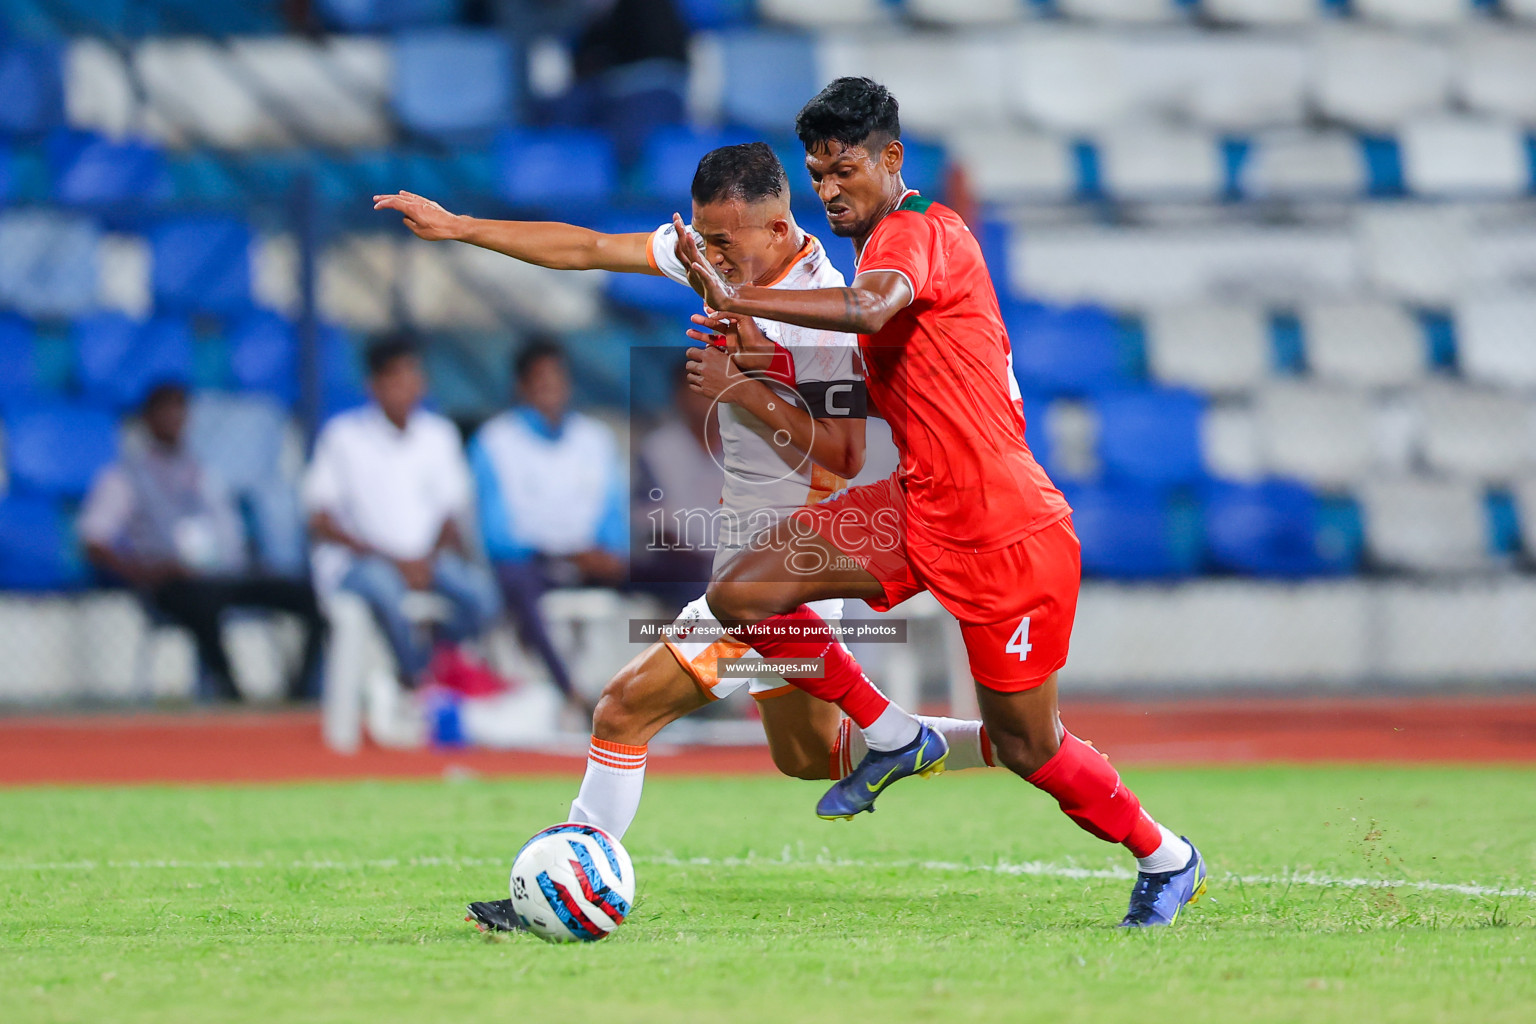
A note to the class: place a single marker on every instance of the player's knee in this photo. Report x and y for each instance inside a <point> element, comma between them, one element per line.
<point>1024,753</point>
<point>730,602</point>
<point>619,716</point>
<point>800,763</point>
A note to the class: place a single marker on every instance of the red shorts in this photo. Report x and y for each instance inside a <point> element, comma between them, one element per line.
<point>1015,604</point>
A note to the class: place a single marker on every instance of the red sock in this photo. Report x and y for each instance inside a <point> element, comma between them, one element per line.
<point>804,634</point>
<point>1090,792</point>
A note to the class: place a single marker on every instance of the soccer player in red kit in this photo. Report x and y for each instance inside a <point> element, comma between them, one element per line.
<point>969,515</point>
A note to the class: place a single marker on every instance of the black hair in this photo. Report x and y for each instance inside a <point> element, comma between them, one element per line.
<point>749,172</point>
<point>538,348</point>
<point>385,352</point>
<point>850,111</point>
<point>170,389</point>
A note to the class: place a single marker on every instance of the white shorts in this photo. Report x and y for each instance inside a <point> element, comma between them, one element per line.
<point>699,657</point>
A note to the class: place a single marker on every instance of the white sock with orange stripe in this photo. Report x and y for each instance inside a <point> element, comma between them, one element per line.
<point>969,746</point>
<point>610,791</point>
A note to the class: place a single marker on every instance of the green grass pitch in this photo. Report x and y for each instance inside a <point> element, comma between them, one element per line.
<point>966,898</point>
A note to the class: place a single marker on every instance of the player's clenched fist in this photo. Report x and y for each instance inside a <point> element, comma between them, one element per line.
<point>425,218</point>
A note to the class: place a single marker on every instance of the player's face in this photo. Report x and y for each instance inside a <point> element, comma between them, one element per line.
<point>399,387</point>
<point>855,184</point>
<point>547,387</point>
<point>742,240</point>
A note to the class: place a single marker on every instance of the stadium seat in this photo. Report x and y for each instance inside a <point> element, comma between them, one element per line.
<point>1150,436</point>
<point>966,12</point>
<point>1417,252</point>
<point>1496,72</point>
<point>1263,12</point>
<point>201,264</point>
<point>1486,435</point>
<point>1363,343</point>
<point>557,167</point>
<point>943,81</point>
<point>245,436</point>
<point>98,90</point>
<point>1262,529</point>
<point>1004,165</point>
<point>18,361</point>
<point>36,546</point>
<point>1525,10</point>
<point>263,355</point>
<point>1237,81</point>
<point>785,76</point>
<point>1414,13</point>
<point>118,359</point>
<point>1219,349</point>
<point>373,15</point>
<point>329,93</point>
<point>1134,533</point>
<point>1129,12</point>
<point>1462,156</point>
<point>47,263</point>
<point>1071,81</point>
<point>454,83</point>
<point>88,170</point>
<point>1493,337</point>
<point>1064,349</point>
<point>1141,163</point>
<point>197,93</point>
<point>672,155</point>
<point>1375,80</point>
<point>824,13</point>
<point>32,82</point>
<point>1318,435</point>
<point>1424,525</point>
<point>1303,165</point>
<point>1229,442</point>
<point>712,14</point>
<point>55,449</point>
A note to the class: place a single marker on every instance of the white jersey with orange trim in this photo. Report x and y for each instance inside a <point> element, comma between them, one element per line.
<point>816,370</point>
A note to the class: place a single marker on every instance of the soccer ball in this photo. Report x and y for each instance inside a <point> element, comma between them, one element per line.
<point>572,883</point>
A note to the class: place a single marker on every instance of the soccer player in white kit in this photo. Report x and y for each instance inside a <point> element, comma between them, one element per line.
<point>792,429</point>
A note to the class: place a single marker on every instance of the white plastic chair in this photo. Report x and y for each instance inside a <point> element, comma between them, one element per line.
<point>1363,343</point>
<point>1217,348</point>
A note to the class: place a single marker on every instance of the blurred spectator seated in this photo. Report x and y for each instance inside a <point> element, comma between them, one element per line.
<point>677,499</point>
<point>552,498</point>
<point>161,521</point>
<point>385,493</point>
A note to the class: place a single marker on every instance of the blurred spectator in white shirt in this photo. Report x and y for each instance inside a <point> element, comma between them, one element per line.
<point>161,522</point>
<point>385,493</point>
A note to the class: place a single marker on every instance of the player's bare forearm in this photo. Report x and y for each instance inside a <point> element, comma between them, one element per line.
<point>560,246</point>
<point>861,308</point>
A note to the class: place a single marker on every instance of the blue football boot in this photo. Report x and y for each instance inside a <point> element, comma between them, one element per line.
<point>1158,897</point>
<point>857,790</point>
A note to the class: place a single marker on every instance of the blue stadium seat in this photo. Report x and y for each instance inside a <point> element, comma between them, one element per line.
<point>784,75</point>
<point>1036,412</point>
<point>32,84</point>
<point>202,265</point>
<point>1073,349</point>
<point>372,15</point>
<point>672,155</point>
<point>119,359</point>
<point>1265,529</point>
<point>263,355</point>
<point>47,263</point>
<point>556,167</point>
<point>18,360</point>
<point>1132,532</point>
<point>7,172</point>
<point>923,166</point>
<point>88,170</point>
<point>56,448</point>
<point>341,381</point>
<point>37,549</point>
<point>1151,436</point>
<point>703,14</point>
<point>454,83</point>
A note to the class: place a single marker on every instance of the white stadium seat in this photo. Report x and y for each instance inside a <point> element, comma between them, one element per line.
<point>1496,340</point>
<point>1304,165</point>
<point>1496,72</point>
<point>1461,156</point>
<point>1485,435</point>
<point>1229,442</point>
<point>1414,13</point>
<point>334,93</point>
<point>1222,349</point>
<point>1424,525</point>
<point>1525,10</point>
<point>824,13</point>
<point>463,286</point>
<point>965,12</point>
<point>1263,12</point>
<point>942,82</point>
<point>1071,80</point>
<point>1420,253</point>
<point>1363,343</point>
<point>1239,82</point>
<point>98,91</point>
<point>1374,80</point>
<point>1132,12</point>
<point>1321,435</point>
<point>123,267</point>
<point>1008,164</point>
<point>196,96</point>
<point>1150,164</point>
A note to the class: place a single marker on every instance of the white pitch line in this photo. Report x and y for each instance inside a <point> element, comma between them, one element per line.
<point>1040,869</point>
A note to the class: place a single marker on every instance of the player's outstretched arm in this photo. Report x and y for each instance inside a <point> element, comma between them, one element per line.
<point>862,308</point>
<point>544,243</point>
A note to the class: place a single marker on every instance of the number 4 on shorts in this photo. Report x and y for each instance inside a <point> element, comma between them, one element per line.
<point>1019,643</point>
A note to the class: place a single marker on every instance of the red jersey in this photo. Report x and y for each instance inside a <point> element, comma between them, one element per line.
<point>941,373</point>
